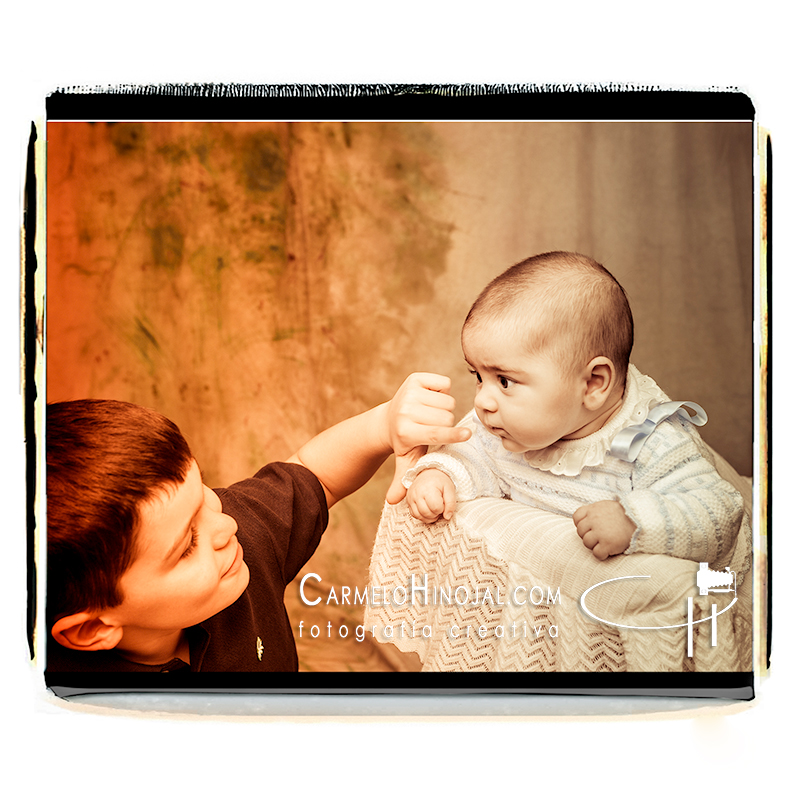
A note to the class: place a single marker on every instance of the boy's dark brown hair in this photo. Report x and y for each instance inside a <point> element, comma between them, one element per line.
<point>564,301</point>
<point>104,459</point>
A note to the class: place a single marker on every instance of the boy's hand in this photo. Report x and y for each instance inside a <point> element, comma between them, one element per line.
<point>420,413</point>
<point>432,495</point>
<point>604,527</point>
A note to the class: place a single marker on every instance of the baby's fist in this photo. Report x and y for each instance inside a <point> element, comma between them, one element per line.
<point>605,528</point>
<point>432,495</point>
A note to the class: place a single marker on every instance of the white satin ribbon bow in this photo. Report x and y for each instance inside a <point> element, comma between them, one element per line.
<point>627,444</point>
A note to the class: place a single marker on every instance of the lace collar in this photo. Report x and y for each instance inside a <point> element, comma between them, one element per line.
<point>570,456</point>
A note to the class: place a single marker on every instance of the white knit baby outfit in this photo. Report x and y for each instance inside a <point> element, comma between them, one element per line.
<point>672,491</point>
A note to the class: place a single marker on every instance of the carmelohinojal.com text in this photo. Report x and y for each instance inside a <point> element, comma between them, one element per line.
<point>419,592</point>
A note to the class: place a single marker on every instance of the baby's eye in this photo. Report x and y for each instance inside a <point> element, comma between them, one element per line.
<point>504,382</point>
<point>476,374</point>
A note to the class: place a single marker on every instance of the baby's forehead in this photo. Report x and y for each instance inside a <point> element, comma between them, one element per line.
<point>494,341</point>
<point>518,322</point>
<point>509,341</point>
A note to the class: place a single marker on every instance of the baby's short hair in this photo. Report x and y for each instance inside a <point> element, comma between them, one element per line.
<point>105,459</point>
<point>567,302</point>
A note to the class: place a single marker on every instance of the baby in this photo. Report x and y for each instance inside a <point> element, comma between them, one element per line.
<point>563,422</point>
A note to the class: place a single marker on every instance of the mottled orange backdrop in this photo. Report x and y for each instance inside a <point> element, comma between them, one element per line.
<point>258,282</point>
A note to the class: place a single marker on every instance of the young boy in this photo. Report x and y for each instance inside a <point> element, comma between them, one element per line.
<point>562,421</point>
<point>150,570</point>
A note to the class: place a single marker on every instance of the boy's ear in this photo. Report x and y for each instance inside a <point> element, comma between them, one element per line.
<point>600,379</point>
<point>86,631</point>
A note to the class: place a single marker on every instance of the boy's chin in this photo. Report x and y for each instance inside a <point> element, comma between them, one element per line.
<point>243,581</point>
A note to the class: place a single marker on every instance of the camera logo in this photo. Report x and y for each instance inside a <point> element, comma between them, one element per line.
<point>708,580</point>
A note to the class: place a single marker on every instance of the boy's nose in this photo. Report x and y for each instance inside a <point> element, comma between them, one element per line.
<point>225,528</point>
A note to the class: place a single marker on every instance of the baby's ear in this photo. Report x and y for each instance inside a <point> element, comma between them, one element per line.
<point>86,631</point>
<point>600,374</point>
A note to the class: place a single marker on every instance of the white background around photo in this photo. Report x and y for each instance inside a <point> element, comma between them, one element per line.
<point>51,747</point>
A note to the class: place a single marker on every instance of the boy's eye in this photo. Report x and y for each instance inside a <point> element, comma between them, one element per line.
<point>476,374</point>
<point>504,382</point>
<point>192,543</point>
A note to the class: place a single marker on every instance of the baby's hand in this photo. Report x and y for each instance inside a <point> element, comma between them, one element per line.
<point>604,527</point>
<point>432,495</point>
<point>420,413</point>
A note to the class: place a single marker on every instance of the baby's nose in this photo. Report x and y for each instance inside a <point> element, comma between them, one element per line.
<point>484,399</point>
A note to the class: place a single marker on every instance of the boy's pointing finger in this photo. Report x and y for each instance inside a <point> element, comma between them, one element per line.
<point>447,435</point>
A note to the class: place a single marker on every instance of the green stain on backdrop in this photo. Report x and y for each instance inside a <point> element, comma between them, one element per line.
<point>263,167</point>
<point>167,246</point>
<point>145,342</point>
<point>128,138</point>
<point>282,334</point>
<point>411,184</point>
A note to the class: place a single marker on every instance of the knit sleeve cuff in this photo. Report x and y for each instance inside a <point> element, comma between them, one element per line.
<point>665,526</point>
<point>452,467</point>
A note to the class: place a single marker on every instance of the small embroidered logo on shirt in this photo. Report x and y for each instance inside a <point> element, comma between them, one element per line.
<point>259,647</point>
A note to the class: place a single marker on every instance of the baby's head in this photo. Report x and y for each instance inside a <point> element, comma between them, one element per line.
<point>564,317</point>
<point>563,304</point>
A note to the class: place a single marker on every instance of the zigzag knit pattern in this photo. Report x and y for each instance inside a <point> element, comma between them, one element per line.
<point>497,588</point>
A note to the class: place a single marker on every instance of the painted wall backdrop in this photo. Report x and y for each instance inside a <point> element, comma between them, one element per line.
<point>258,282</point>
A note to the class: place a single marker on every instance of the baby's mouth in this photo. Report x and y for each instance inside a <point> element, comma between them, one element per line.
<point>495,431</point>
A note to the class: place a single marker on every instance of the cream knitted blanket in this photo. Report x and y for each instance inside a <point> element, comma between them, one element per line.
<point>503,584</point>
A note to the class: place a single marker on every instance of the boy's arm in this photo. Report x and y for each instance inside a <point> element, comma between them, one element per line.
<point>347,455</point>
<point>680,504</point>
